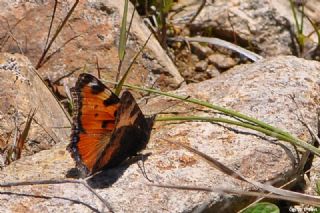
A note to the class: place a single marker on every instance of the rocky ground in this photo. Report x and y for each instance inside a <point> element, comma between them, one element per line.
<point>261,87</point>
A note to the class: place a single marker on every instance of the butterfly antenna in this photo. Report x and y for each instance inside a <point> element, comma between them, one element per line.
<point>173,105</point>
<point>152,87</point>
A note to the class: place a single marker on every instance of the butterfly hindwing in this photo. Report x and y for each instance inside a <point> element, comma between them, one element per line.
<point>131,133</point>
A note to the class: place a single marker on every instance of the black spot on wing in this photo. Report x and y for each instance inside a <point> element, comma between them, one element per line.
<point>97,88</point>
<point>95,84</point>
<point>85,78</point>
<point>113,99</point>
<point>104,124</point>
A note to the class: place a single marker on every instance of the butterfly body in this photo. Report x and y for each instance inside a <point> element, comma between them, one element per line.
<point>106,129</point>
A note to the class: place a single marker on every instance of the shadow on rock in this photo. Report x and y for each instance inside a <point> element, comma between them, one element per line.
<point>106,177</point>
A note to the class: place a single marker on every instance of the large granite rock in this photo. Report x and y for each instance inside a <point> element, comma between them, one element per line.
<point>255,25</point>
<point>91,36</point>
<point>260,90</point>
<point>22,91</point>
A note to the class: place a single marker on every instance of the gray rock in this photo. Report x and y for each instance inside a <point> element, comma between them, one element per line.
<point>201,66</point>
<point>22,91</point>
<point>249,23</point>
<point>212,71</point>
<point>222,61</point>
<point>91,35</point>
<point>201,51</point>
<point>260,90</point>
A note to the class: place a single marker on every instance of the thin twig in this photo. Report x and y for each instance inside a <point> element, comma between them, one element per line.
<point>58,49</point>
<point>14,39</point>
<point>55,81</point>
<point>6,37</point>
<point>269,188</point>
<point>46,130</point>
<point>50,197</point>
<point>54,182</point>
<point>162,35</point>
<point>203,3</point>
<point>241,192</point>
<point>98,196</point>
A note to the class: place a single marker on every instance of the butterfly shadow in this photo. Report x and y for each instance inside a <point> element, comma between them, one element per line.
<point>108,176</point>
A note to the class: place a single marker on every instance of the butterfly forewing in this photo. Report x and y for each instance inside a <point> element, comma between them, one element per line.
<point>95,107</point>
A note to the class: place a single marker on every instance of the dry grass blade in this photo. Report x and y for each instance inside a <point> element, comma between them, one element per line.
<point>219,42</point>
<point>318,123</point>
<point>6,36</point>
<point>59,49</point>
<point>236,192</point>
<point>316,29</point>
<point>14,151</point>
<point>285,194</point>
<point>123,32</point>
<point>42,58</point>
<point>307,156</point>
<point>11,34</point>
<point>51,22</point>
<point>216,164</point>
<point>23,136</point>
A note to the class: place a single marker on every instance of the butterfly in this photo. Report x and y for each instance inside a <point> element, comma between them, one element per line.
<point>106,129</point>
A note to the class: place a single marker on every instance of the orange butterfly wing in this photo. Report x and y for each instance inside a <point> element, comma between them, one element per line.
<point>131,133</point>
<point>106,130</point>
<point>95,108</point>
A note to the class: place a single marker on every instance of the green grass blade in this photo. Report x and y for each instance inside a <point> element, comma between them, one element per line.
<point>295,16</point>
<point>121,82</point>
<point>282,135</point>
<point>276,134</point>
<point>123,32</point>
<point>285,135</point>
<point>317,31</point>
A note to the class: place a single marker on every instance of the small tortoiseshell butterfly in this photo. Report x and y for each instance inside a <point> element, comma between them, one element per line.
<point>106,129</point>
